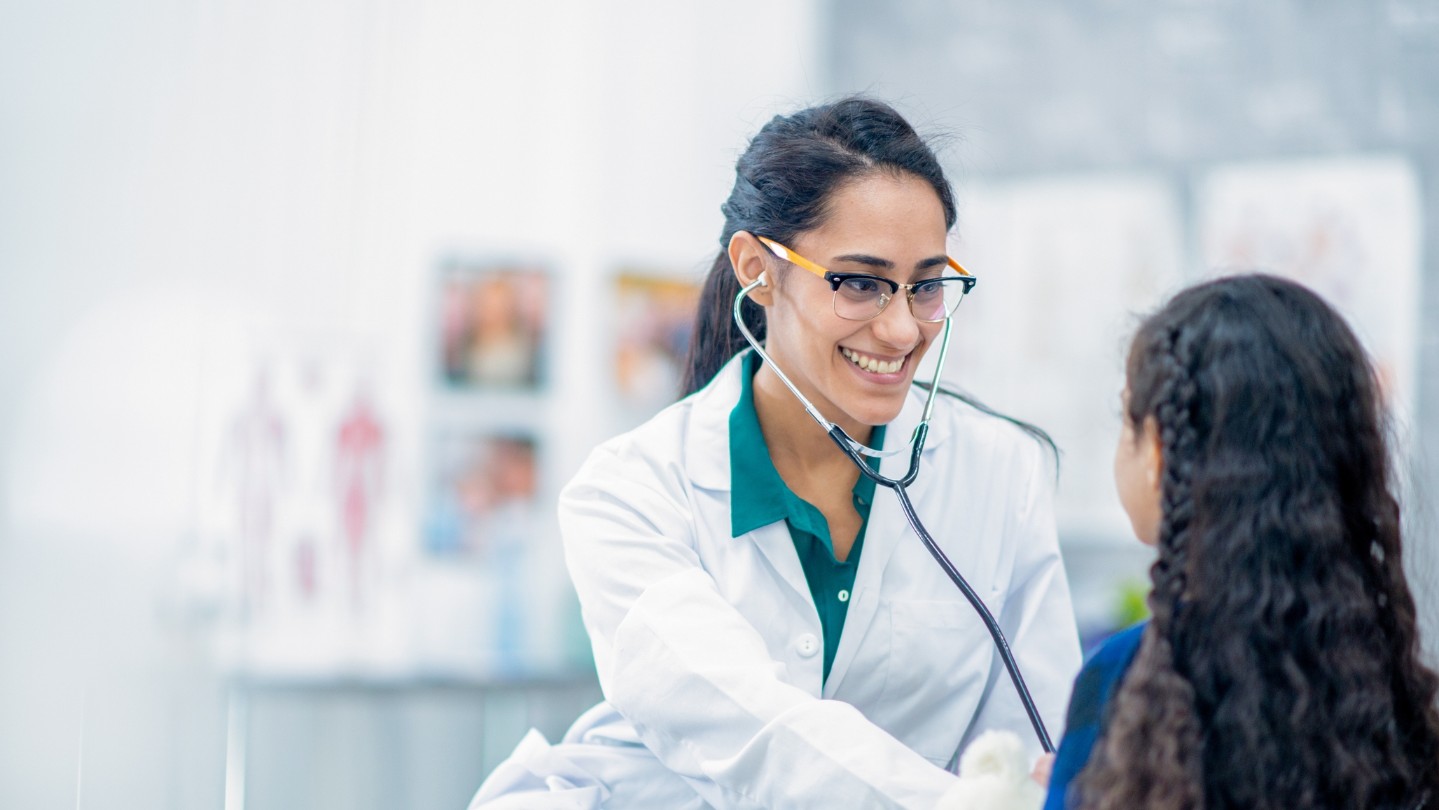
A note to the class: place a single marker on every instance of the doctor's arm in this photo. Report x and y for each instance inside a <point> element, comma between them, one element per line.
<point>1037,618</point>
<point>696,678</point>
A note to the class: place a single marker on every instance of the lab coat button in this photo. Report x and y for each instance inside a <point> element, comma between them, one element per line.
<point>806,645</point>
<point>844,596</point>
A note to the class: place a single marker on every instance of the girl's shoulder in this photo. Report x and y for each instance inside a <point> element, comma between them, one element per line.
<point>1093,689</point>
<point>1119,649</point>
<point>1100,675</point>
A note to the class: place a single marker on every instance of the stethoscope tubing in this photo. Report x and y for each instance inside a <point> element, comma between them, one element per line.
<point>898,486</point>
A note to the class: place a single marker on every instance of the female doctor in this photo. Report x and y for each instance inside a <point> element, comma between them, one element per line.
<point>767,632</point>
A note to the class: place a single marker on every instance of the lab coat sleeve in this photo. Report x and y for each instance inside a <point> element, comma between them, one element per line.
<point>696,679</point>
<point>1037,619</point>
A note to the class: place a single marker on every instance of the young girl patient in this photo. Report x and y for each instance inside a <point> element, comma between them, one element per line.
<point>1281,668</point>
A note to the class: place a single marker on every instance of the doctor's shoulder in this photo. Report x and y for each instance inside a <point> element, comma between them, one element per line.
<point>687,441</point>
<point>993,439</point>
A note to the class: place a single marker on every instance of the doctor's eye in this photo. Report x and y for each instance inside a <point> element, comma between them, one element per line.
<point>861,287</point>
<point>929,290</point>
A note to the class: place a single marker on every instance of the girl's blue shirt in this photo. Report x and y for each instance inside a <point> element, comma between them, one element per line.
<point>1093,689</point>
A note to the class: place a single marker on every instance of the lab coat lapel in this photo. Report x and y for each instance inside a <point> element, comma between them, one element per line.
<point>777,545</point>
<point>708,455</point>
<point>707,437</point>
<point>887,528</point>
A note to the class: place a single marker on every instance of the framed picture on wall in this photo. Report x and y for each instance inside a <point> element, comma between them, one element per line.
<point>480,503</point>
<point>655,321</point>
<point>485,597</point>
<point>492,324</point>
<point>1348,228</point>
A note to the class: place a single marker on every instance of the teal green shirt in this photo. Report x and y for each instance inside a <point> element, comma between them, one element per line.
<point>760,497</point>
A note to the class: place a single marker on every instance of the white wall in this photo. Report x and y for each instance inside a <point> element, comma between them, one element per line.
<point>173,174</point>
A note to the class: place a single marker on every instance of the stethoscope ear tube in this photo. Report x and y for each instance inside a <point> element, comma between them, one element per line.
<point>1000,642</point>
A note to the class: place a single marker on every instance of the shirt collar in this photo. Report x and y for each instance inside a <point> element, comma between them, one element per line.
<point>758,495</point>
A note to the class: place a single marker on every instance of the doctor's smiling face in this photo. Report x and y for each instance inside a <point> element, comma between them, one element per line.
<point>882,223</point>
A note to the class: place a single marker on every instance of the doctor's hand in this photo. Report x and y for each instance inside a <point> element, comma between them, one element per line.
<point>994,775</point>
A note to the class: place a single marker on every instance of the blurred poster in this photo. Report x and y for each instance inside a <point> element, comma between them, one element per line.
<point>492,324</point>
<point>482,496</point>
<point>358,451</point>
<point>654,323</point>
<point>487,569</point>
<point>1348,229</point>
<point>253,471</point>
<point>297,510</point>
<point>1064,264</point>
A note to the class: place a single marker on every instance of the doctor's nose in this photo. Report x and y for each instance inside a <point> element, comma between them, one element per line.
<point>896,325</point>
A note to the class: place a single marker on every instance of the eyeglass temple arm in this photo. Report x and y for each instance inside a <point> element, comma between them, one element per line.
<point>792,257</point>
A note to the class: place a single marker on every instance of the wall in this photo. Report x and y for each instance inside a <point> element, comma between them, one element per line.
<point>1037,90</point>
<point>175,176</point>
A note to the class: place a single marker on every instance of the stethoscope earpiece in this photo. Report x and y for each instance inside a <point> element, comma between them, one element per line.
<point>764,279</point>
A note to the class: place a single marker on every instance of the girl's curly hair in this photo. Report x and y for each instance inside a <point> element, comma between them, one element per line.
<point>1282,666</point>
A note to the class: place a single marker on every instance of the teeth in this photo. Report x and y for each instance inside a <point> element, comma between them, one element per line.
<point>871,364</point>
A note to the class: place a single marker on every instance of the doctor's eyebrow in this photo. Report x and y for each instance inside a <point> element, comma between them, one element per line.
<point>886,264</point>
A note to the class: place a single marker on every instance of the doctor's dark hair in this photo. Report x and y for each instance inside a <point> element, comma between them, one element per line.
<point>1282,665</point>
<point>782,188</point>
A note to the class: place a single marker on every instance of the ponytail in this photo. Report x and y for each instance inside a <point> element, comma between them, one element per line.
<point>716,338</point>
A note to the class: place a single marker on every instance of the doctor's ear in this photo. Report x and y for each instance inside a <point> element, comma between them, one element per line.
<point>749,257</point>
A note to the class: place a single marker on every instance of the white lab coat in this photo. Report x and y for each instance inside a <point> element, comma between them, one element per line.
<point>709,647</point>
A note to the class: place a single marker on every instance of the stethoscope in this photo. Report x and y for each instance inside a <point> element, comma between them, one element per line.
<point>857,452</point>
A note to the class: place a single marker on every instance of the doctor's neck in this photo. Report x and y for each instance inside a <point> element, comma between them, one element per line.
<point>792,436</point>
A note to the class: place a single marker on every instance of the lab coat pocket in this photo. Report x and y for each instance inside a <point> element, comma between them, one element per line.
<point>939,660</point>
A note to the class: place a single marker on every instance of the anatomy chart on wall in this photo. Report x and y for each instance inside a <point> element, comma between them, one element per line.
<point>1064,264</point>
<point>299,510</point>
<point>1349,229</point>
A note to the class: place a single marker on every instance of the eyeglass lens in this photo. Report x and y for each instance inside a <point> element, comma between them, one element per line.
<point>859,299</point>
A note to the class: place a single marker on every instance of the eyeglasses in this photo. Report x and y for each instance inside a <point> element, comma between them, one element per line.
<point>861,296</point>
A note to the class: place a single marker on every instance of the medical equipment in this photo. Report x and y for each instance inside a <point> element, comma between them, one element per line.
<point>856,453</point>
